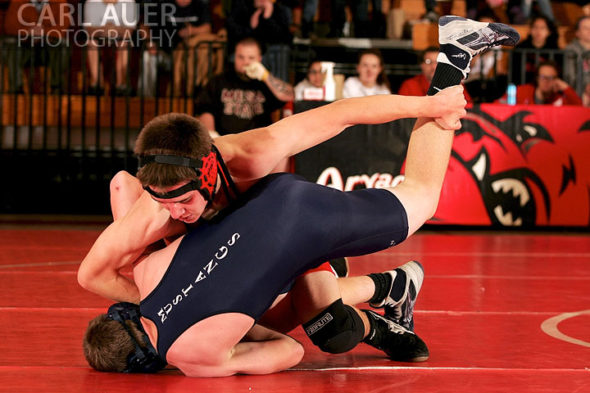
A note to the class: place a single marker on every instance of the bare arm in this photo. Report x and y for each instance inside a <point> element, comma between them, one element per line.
<point>261,351</point>
<point>253,154</point>
<point>120,245</point>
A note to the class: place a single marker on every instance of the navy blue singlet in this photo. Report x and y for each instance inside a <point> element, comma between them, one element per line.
<point>281,227</point>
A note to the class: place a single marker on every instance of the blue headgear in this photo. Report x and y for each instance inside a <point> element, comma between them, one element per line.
<point>144,359</point>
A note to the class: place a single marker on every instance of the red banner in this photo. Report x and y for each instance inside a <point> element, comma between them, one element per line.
<point>521,166</point>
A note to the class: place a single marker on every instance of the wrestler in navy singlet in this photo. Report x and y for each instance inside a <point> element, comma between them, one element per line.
<point>281,227</point>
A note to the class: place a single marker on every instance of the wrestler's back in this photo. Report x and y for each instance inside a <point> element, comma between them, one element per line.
<point>239,263</point>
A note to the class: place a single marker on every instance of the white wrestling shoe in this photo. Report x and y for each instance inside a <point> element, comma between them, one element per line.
<point>407,280</point>
<point>461,39</point>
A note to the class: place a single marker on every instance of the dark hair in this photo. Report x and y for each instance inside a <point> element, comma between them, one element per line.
<point>312,62</point>
<point>251,41</point>
<point>552,39</point>
<point>381,78</point>
<point>107,345</point>
<point>487,12</point>
<point>546,63</point>
<point>423,53</point>
<point>175,134</point>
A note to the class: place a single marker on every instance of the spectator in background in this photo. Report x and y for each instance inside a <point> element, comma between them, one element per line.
<point>431,15</point>
<point>363,25</point>
<point>156,59</point>
<point>548,89</point>
<point>418,85</point>
<point>110,22</point>
<point>313,81</point>
<point>371,79</point>
<point>35,36</point>
<point>309,9</point>
<point>586,96</point>
<point>269,23</point>
<point>579,46</point>
<point>190,26</point>
<point>544,6</point>
<point>488,78</point>
<point>243,97</point>
<point>543,38</point>
<point>585,4</point>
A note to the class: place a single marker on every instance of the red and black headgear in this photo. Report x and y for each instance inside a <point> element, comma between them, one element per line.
<point>205,168</point>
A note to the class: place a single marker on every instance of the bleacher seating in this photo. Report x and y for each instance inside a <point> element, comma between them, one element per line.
<point>426,34</point>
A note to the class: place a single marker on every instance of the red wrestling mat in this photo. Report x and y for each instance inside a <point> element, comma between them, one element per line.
<point>500,313</point>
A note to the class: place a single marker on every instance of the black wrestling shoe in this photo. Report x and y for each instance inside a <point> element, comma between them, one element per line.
<point>340,266</point>
<point>401,298</point>
<point>462,39</point>
<point>398,343</point>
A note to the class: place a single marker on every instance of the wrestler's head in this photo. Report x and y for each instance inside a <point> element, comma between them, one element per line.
<point>116,342</point>
<point>178,165</point>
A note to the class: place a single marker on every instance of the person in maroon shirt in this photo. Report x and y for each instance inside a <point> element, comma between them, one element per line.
<point>548,89</point>
<point>418,85</point>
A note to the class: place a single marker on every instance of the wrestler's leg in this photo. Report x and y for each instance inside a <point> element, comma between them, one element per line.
<point>335,327</point>
<point>388,289</point>
<point>426,164</point>
<point>356,289</point>
<point>430,145</point>
<point>314,302</point>
<point>283,316</point>
<point>125,189</point>
<point>395,290</point>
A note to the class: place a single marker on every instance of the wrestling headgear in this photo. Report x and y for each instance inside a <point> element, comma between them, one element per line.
<point>206,169</point>
<point>144,359</point>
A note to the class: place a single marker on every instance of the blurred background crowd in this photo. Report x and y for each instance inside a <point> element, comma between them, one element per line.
<point>80,78</point>
<point>191,49</point>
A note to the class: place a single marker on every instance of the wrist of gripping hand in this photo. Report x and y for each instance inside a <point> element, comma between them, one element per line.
<point>257,71</point>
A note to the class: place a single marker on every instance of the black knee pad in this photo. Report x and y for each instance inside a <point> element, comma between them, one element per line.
<point>337,329</point>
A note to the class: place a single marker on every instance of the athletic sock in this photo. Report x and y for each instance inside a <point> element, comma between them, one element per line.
<point>382,286</point>
<point>398,290</point>
<point>445,76</point>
